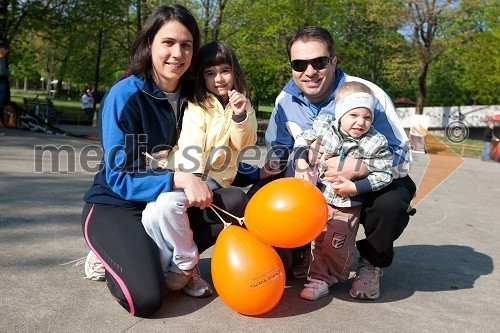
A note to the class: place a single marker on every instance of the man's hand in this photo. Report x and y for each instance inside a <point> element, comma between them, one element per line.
<point>271,168</point>
<point>350,168</point>
<point>316,151</point>
<point>304,171</point>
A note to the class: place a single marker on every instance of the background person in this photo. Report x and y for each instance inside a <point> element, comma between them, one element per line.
<point>488,136</point>
<point>88,103</point>
<point>4,76</point>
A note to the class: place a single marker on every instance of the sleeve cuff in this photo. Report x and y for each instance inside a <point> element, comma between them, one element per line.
<point>363,186</point>
<point>238,118</point>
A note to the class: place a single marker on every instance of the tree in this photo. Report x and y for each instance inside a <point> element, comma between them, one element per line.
<point>103,28</point>
<point>88,41</point>
<point>369,45</point>
<point>477,51</point>
<point>425,18</point>
<point>258,31</point>
<point>16,16</point>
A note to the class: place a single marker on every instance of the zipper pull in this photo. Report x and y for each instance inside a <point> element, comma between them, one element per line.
<point>342,154</point>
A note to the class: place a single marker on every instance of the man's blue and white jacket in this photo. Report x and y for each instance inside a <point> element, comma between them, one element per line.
<point>293,114</point>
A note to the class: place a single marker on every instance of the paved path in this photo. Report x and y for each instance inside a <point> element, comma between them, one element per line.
<point>443,279</point>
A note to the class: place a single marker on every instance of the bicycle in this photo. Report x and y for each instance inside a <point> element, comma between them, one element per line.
<point>42,109</point>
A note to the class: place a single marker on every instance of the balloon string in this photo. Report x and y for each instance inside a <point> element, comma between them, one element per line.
<point>239,219</point>
<point>226,224</point>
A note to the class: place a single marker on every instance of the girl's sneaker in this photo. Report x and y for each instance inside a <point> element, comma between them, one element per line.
<point>177,279</point>
<point>196,286</point>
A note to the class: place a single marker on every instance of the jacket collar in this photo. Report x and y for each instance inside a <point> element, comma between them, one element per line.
<point>151,88</point>
<point>295,91</point>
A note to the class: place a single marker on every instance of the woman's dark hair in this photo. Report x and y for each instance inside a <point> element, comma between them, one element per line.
<point>214,54</point>
<point>308,34</point>
<point>141,64</point>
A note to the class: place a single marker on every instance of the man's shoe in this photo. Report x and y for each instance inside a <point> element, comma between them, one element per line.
<point>366,284</point>
<point>177,279</point>
<point>196,286</point>
<point>314,290</point>
<point>94,269</point>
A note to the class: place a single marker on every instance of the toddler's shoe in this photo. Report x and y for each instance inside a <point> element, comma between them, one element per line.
<point>314,289</point>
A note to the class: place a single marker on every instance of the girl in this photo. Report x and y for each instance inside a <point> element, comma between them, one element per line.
<point>218,123</point>
<point>141,113</point>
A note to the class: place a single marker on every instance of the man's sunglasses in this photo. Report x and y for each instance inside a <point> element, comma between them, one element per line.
<point>316,63</point>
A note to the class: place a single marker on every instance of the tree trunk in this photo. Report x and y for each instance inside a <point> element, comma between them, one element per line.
<point>206,23</point>
<point>422,89</point>
<point>5,59</point>
<point>97,67</point>
<point>218,20</point>
<point>139,15</point>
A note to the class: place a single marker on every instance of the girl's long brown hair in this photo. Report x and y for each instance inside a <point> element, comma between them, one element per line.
<point>214,54</point>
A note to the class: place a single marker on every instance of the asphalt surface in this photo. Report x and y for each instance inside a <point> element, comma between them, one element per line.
<point>443,278</point>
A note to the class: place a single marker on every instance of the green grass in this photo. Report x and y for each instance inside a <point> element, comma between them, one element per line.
<point>71,110</point>
<point>266,108</point>
<point>468,148</point>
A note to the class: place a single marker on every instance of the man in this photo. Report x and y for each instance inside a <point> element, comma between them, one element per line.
<point>315,78</point>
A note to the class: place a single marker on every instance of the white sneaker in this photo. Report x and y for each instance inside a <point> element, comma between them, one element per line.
<point>197,287</point>
<point>94,269</point>
<point>314,290</point>
<point>366,284</point>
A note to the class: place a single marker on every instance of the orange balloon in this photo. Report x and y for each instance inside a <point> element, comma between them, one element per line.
<point>287,213</point>
<point>247,273</point>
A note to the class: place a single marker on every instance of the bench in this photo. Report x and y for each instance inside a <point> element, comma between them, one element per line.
<point>263,114</point>
<point>43,109</point>
<point>261,131</point>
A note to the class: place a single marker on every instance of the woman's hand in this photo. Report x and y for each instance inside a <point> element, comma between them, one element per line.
<point>197,191</point>
<point>238,101</point>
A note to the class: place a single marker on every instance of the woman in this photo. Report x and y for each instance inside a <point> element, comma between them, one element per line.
<point>142,114</point>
